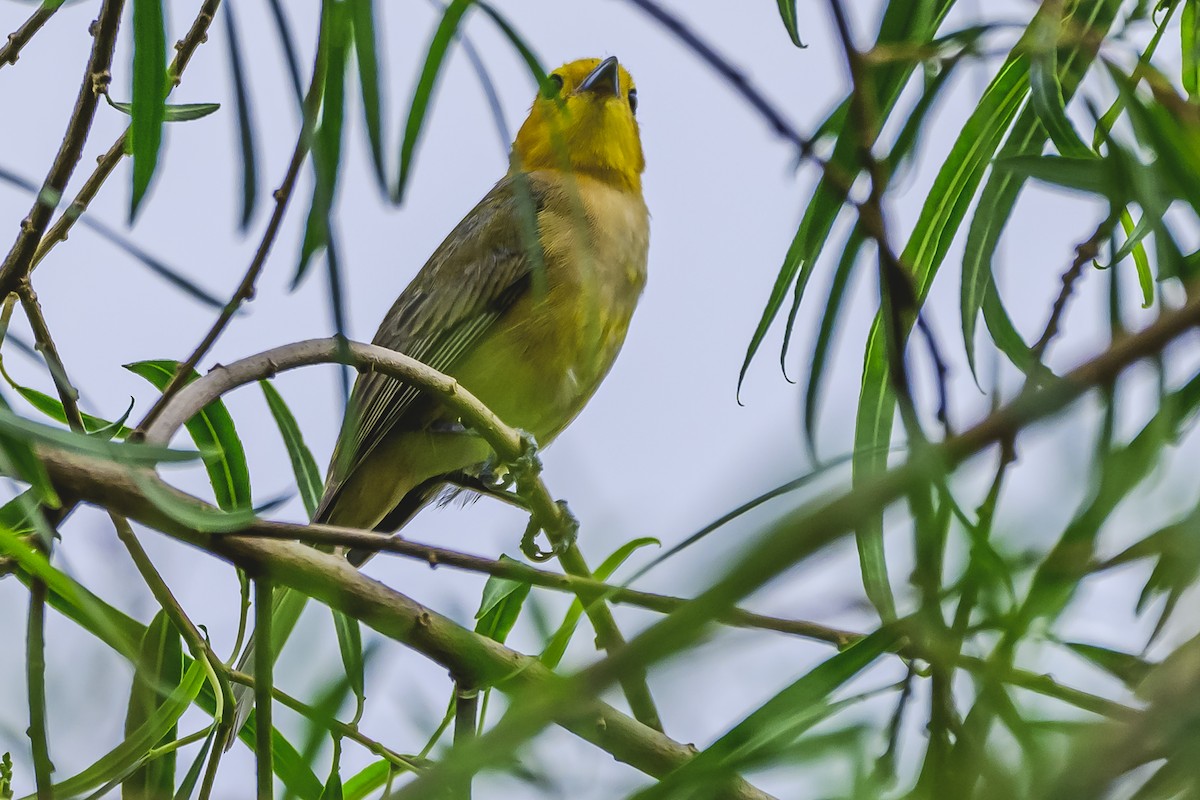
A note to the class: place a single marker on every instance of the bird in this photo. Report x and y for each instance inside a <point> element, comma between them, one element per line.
<point>526,303</point>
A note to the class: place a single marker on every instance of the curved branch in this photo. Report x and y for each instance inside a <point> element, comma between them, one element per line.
<point>189,400</point>
<point>508,443</point>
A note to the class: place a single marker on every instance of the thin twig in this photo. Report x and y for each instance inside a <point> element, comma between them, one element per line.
<point>263,683</point>
<point>735,77</point>
<point>11,50</point>
<point>35,677</point>
<point>95,78</point>
<point>1085,254</point>
<point>518,571</point>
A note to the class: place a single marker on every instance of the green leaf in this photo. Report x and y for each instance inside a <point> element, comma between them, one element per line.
<point>1190,47</point>
<point>173,112</point>
<point>304,466</point>
<point>149,94</point>
<point>366,53</point>
<point>194,515</point>
<point>435,56</point>
<point>554,650</point>
<point>1126,667</point>
<point>1133,245</point>
<point>899,27</point>
<point>999,194</point>
<point>159,672</point>
<point>327,141</point>
<point>188,785</point>
<point>130,753</point>
<point>123,634</point>
<point>213,431</point>
<point>1046,96</point>
<point>1088,175</point>
<point>349,637</point>
<point>245,123</point>
<point>53,408</point>
<point>775,724</point>
<point>368,779</point>
<point>287,42</point>
<point>824,340</point>
<point>500,605</point>
<point>787,12</point>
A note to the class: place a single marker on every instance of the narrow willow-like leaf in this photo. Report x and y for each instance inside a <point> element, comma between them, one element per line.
<point>787,12</point>
<point>123,633</point>
<point>245,123</point>
<point>999,194</point>
<point>1125,667</point>
<point>214,433</point>
<point>53,408</point>
<point>1190,47</point>
<point>824,341</point>
<point>1046,95</point>
<point>149,94</point>
<point>500,605</point>
<point>327,142</point>
<point>127,755</point>
<point>349,637</point>
<point>304,466</point>
<point>366,54</point>
<point>190,779</point>
<point>174,112</point>
<point>951,195</point>
<point>286,41</point>
<point>532,62</point>
<point>367,780</point>
<point>1141,260</point>
<point>773,724</point>
<point>900,26</point>
<point>1121,471</point>
<point>158,673</point>
<point>1109,118</point>
<point>948,201</point>
<point>435,56</point>
<point>554,650</point>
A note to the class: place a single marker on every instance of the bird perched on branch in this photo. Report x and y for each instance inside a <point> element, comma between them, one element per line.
<point>526,303</point>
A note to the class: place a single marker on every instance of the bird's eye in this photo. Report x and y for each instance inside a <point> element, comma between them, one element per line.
<point>633,101</point>
<point>553,86</point>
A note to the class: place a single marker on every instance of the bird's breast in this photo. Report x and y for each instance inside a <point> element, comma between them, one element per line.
<point>561,339</point>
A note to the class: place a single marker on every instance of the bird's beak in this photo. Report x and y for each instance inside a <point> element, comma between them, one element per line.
<point>604,79</point>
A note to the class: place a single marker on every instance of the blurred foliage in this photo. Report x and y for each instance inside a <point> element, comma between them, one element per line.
<point>1098,98</point>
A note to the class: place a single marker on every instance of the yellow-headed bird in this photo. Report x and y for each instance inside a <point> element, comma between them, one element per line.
<point>529,326</point>
<point>526,303</point>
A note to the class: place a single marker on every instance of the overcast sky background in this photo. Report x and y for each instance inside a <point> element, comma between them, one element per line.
<point>662,449</point>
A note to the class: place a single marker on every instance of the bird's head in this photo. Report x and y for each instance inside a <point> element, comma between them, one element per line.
<point>583,121</point>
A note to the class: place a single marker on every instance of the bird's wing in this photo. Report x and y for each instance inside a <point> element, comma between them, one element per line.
<point>474,276</point>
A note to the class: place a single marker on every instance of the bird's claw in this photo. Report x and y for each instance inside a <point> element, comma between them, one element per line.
<point>569,532</point>
<point>526,467</point>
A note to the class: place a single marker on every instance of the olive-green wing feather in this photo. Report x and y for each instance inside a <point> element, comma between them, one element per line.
<point>474,276</point>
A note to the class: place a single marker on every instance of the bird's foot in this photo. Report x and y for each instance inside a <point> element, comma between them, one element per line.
<point>527,467</point>
<point>567,532</point>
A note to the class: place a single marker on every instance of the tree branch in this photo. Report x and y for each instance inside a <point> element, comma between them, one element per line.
<point>333,581</point>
